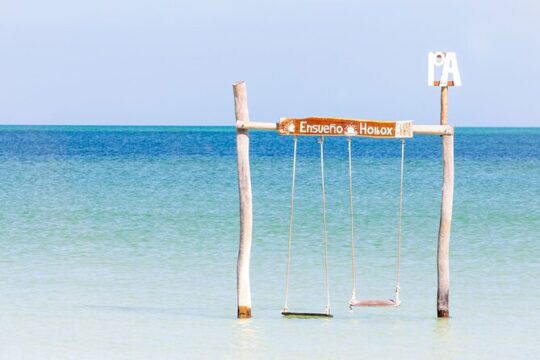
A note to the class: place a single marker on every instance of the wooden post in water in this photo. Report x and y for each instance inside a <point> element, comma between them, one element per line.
<point>443,270</point>
<point>244,190</point>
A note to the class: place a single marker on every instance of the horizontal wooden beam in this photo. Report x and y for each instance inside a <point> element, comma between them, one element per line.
<point>417,129</point>
<point>433,129</point>
<point>256,125</point>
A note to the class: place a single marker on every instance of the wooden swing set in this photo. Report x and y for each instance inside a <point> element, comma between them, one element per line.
<point>348,128</point>
<point>323,127</point>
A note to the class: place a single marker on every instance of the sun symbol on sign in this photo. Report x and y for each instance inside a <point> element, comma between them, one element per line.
<point>290,127</point>
<point>351,130</point>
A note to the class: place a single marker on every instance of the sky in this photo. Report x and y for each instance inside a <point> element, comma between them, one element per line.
<point>163,62</point>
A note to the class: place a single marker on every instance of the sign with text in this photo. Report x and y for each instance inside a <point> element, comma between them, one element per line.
<point>320,126</point>
<point>440,66</point>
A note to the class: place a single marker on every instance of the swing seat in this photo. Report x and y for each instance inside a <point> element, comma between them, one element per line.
<point>374,303</point>
<point>305,315</point>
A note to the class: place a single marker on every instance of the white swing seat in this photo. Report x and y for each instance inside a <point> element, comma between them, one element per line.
<point>374,303</point>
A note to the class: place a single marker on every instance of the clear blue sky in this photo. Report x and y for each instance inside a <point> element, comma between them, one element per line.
<point>173,62</point>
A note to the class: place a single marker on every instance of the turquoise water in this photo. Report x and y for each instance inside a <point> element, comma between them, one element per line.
<point>121,243</point>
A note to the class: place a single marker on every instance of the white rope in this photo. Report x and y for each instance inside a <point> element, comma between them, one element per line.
<point>400,221</point>
<point>291,216</point>
<point>351,211</point>
<point>325,233</point>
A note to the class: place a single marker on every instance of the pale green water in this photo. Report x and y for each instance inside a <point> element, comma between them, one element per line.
<point>121,243</point>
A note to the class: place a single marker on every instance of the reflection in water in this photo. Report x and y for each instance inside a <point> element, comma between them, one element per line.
<point>442,329</point>
<point>246,339</point>
<point>442,339</point>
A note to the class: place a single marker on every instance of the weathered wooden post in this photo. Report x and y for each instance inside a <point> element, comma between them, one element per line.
<point>448,63</point>
<point>443,263</point>
<point>244,190</point>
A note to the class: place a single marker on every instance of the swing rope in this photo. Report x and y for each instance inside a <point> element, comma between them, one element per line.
<point>395,302</point>
<point>400,221</point>
<point>325,232</point>
<point>351,211</point>
<point>291,216</point>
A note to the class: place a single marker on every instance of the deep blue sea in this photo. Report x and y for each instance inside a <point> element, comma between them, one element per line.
<point>121,243</point>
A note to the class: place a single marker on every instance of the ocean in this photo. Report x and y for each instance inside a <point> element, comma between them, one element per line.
<point>121,243</point>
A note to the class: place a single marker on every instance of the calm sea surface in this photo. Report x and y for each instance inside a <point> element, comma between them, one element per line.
<point>121,243</point>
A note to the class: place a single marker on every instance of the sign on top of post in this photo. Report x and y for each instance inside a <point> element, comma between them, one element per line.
<point>442,65</point>
<point>321,126</point>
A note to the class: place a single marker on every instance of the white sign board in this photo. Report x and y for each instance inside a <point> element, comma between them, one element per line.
<point>441,65</point>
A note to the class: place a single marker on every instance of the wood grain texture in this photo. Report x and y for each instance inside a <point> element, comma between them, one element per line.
<point>245,197</point>
<point>433,129</point>
<point>443,248</point>
<point>256,125</point>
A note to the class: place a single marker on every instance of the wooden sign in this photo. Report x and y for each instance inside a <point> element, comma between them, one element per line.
<point>319,126</point>
<point>447,61</point>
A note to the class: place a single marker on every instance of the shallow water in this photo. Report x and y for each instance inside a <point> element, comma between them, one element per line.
<point>121,243</point>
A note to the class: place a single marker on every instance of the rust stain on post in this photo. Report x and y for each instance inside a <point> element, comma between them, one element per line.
<point>449,83</point>
<point>443,313</point>
<point>244,312</point>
